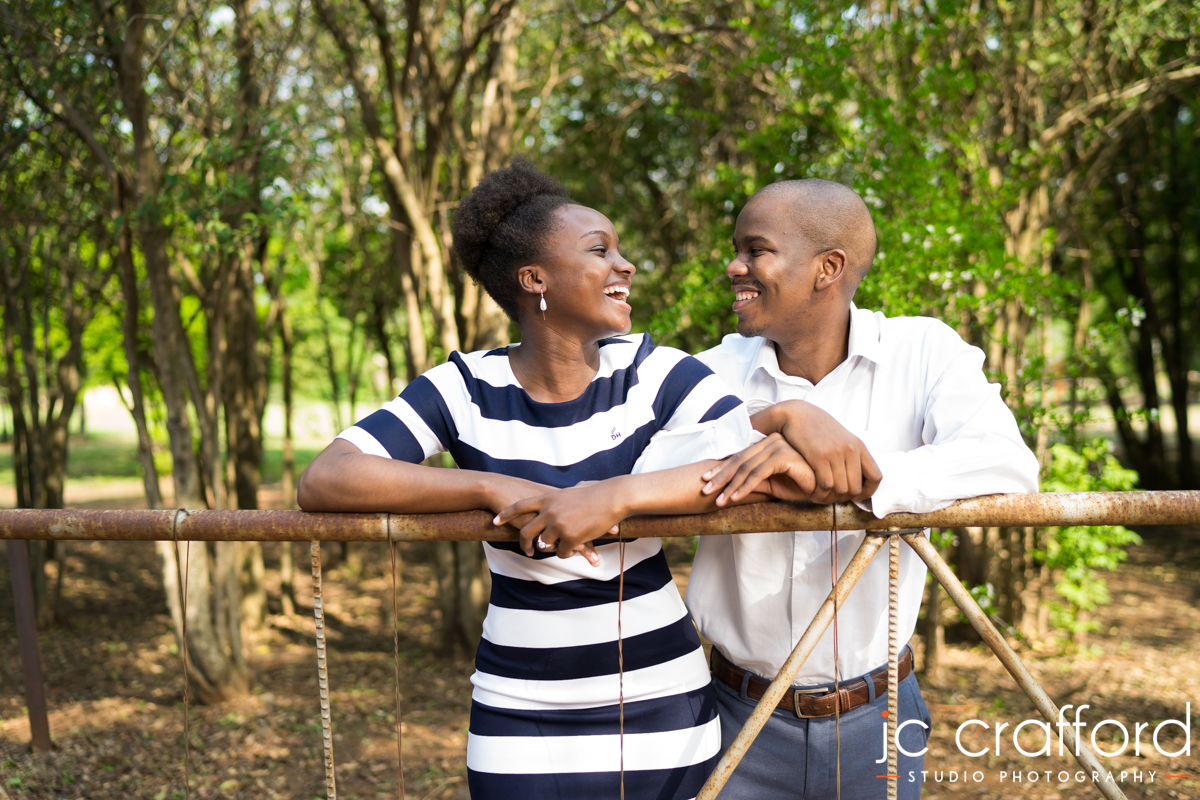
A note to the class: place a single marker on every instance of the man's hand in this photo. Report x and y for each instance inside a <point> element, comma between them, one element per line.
<point>771,466</point>
<point>566,519</point>
<point>843,467</point>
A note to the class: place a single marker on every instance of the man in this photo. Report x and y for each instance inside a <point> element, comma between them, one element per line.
<point>895,409</point>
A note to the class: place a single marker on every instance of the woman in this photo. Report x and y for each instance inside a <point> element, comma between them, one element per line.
<point>575,401</point>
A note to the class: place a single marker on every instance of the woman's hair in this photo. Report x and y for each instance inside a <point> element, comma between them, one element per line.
<point>502,225</point>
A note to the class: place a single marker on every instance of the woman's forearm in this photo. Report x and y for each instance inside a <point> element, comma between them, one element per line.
<point>343,478</point>
<point>670,491</point>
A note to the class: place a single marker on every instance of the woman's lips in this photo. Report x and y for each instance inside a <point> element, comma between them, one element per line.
<point>617,293</point>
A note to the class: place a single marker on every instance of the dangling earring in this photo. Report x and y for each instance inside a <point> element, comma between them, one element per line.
<point>543,304</point>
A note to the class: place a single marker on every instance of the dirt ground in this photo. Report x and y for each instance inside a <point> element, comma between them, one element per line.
<point>115,690</point>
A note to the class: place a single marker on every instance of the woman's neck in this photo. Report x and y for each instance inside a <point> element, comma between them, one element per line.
<point>551,367</point>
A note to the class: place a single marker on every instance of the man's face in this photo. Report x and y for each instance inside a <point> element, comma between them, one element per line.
<point>772,269</point>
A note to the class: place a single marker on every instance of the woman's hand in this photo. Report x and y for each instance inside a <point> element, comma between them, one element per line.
<point>504,490</point>
<point>771,466</point>
<point>566,520</point>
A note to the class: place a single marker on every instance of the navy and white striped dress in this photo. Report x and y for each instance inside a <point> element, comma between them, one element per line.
<point>544,714</point>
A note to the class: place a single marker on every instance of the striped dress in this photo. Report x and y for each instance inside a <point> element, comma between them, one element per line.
<point>544,713</point>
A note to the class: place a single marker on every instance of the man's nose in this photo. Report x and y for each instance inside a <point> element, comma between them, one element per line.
<point>736,268</point>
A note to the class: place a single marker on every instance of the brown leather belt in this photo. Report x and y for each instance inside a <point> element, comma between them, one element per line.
<point>806,703</point>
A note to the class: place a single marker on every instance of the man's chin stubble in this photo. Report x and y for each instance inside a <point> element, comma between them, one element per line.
<point>749,329</point>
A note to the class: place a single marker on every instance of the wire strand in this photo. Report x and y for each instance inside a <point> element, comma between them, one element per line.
<point>621,660</point>
<point>893,665</point>
<point>182,583</point>
<point>323,673</point>
<point>837,673</point>
<point>396,661</point>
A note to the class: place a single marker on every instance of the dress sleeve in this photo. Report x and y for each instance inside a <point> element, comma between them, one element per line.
<point>411,427</point>
<point>701,419</point>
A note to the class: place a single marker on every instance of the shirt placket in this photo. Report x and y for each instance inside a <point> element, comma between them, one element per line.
<point>811,578</point>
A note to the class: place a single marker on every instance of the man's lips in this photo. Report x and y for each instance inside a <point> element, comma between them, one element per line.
<point>744,296</point>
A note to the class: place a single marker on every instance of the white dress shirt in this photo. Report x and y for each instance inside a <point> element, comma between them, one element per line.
<point>914,392</point>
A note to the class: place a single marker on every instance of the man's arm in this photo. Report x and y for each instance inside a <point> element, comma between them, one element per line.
<point>842,466</point>
<point>973,446</point>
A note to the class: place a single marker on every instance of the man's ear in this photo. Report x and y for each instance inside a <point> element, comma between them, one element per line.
<point>530,279</point>
<point>831,268</point>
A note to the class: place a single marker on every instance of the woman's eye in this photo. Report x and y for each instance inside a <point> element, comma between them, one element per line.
<point>600,250</point>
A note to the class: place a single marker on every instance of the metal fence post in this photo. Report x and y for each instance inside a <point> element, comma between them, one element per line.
<point>31,659</point>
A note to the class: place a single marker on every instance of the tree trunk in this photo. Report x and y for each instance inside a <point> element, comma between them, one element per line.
<point>217,668</point>
<point>287,569</point>
<point>133,379</point>
<point>464,584</point>
<point>43,408</point>
<point>967,558</point>
<point>935,635</point>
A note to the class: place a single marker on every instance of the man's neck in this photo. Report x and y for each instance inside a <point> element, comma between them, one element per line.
<point>814,354</point>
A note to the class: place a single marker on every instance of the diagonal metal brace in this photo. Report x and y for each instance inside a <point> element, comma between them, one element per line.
<point>959,594</point>
<point>941,572</point>
<point>787,673</point>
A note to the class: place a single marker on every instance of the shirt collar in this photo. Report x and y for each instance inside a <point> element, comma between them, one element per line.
<point>864,341</point>
<point>864,335</point>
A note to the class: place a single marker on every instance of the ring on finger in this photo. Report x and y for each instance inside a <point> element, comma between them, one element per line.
<point>543,545</point>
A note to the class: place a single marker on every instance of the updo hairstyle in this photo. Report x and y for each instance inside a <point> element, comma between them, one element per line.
<point>502,225</point>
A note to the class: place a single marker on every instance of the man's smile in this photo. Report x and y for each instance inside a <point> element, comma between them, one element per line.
<point>743,296</point>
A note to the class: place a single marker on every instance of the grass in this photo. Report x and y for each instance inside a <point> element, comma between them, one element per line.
<point>107,457</point>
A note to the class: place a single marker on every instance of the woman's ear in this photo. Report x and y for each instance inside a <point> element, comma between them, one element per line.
<point>831,268</point>
<point>530,279</point>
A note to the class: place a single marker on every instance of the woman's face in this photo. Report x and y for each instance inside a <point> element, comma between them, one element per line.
<point>584,276</point>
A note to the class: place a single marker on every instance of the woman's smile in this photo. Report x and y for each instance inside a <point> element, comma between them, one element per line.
<point>619,293</point>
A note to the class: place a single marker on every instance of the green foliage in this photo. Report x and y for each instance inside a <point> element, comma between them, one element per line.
<point>1076,555</point>
<point>1067,252</point>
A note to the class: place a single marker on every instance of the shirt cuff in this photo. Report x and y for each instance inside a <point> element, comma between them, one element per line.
<point>900,488</point>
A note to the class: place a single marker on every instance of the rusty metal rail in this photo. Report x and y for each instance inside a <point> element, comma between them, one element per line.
<point>1005,510</point>
<point>1016,510</point>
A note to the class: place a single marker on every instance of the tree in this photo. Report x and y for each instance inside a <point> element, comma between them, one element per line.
<point>50,295</point>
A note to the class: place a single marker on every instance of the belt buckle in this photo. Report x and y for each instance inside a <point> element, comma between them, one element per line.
<point>798,693</point>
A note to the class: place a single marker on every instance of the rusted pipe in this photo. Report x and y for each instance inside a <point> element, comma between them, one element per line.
<point>1009,659</point>
<point>1015,510</point>
<point>787,673</point>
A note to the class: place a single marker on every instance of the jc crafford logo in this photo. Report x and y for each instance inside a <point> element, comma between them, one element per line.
<point>1144,736</point>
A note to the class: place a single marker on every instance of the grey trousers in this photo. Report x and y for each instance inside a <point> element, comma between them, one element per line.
<point>796,759</point>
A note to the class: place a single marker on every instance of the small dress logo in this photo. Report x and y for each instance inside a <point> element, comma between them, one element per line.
<point>615,434</point>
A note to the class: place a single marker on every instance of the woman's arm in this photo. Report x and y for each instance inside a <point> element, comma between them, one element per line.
<point>568,517</point>
<point>343,478</point>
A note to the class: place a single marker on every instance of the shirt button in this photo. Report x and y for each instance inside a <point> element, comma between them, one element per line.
<point>804,577</point>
